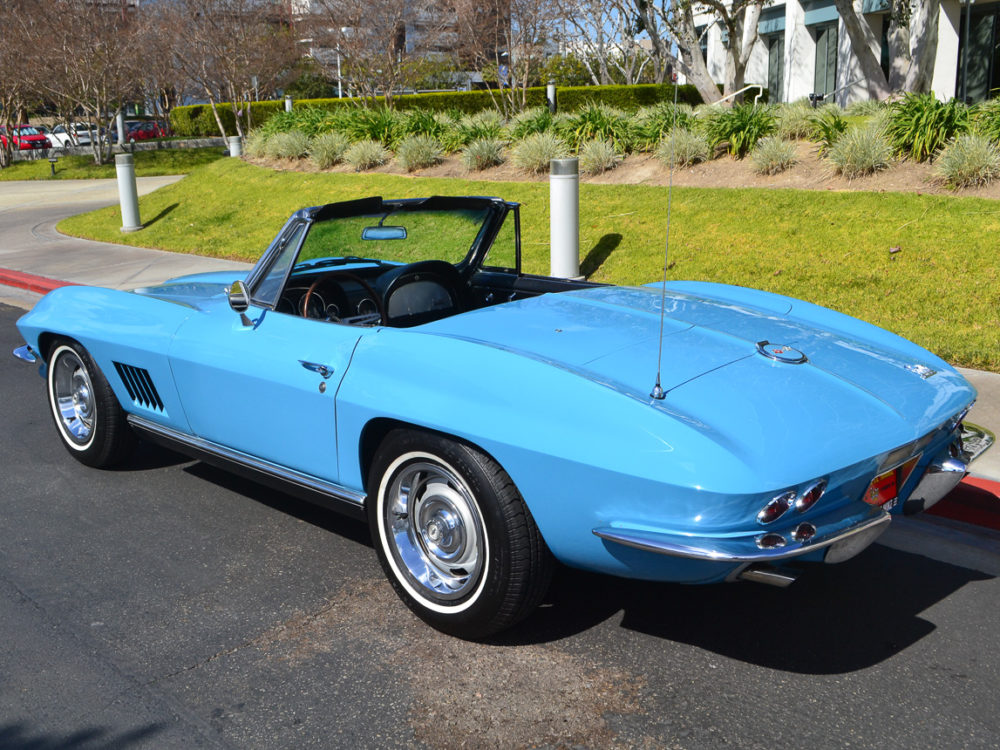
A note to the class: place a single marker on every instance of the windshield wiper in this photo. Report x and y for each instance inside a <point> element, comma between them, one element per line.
<point>326,262</point>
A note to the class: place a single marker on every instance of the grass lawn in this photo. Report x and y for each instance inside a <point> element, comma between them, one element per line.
<point>82,167</point>
<point>939,288</point>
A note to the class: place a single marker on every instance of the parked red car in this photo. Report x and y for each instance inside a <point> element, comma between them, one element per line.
<point>144,131</point>
<point>26,138</point>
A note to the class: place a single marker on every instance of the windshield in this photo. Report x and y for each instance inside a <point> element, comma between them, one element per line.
<point>27,131</point>
<point>405,236</point>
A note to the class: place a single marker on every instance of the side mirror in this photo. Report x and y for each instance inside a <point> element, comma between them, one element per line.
<point>239,300</point>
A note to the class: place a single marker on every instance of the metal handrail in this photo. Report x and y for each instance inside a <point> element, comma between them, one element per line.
<point>760,93</point>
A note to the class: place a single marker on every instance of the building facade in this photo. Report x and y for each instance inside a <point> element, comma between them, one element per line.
<point>803,48</point>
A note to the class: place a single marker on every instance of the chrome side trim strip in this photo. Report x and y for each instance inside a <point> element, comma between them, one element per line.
<point>286,476</point>
<point>728,550</point>
<point>26,354</point>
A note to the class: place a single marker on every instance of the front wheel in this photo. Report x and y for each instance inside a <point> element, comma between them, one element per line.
<point>454,535</point>
<point>87,414</point>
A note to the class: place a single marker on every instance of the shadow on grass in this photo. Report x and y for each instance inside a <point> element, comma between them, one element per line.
<point>599,253</point>
<point>160,215</point>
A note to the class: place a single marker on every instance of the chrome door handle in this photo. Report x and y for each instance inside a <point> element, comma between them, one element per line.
<point>324,370</point>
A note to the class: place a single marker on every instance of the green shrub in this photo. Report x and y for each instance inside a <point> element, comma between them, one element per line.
<point>772,154</point>
<point>256,144</point>
<point>291,145</point>
<point>418,152</point>
<point>377,124</point>
<point>422,122</point>
<point>366,155</point>
<point>986,119</point>
<point>861,151</point>
<point>595,122</point>
<point>826,127</point>
<point>740,127</point>
<point>968,160</point>
<point>308,120</point>
<point>196,120</point>
<point>328,149</point>
<point>795,119</point>
<point>919,125</point>
<point>483,154</point>
<point>486,124</point>
<point>651,124</point>
<point>530,121</point>
<point>536,151</point>
<point>682,148</point>
<point>597,157</point>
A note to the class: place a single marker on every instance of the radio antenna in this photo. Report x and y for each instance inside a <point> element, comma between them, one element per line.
<point>658,392</point>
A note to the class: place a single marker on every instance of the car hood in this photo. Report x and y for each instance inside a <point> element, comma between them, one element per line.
<point>199,290</point>
<point>856,379</point>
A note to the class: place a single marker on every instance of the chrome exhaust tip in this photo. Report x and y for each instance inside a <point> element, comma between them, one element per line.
<point>764,573</point>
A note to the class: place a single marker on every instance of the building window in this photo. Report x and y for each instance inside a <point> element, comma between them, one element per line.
<point>825,80</point>
<point>775,66</point>
<point>984,53</point>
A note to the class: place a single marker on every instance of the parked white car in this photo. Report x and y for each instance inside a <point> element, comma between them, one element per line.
<point>78,134</point>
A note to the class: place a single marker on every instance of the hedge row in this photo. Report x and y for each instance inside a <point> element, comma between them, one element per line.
<point>198,120</point>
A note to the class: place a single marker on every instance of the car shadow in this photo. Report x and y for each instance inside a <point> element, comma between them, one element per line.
<point>599,253</point>
<point>22,736</point>
<point>148,456</point>
<point>834,619</point>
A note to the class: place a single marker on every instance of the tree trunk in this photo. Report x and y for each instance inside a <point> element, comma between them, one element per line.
<point>862,40</point>
<point>923,46</point>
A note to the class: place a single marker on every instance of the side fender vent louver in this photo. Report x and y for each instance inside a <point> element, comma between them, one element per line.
<point>139,386</point>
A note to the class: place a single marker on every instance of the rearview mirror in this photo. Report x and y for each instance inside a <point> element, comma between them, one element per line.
<point>383,233</point>
<point>239,297</point>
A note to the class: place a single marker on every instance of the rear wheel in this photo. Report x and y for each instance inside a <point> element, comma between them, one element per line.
<point>454,535</point>
<point>88,417</point>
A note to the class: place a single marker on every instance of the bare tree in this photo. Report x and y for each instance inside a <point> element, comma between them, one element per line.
<point>223,46</point>
<point>380,46</point>
<point>164,84</point>
<point>90,54</point>
<point>912,37</point>
<point>678,22</point>
<point>15,72</point>
<point>603,34</point>
<point>506,41</point>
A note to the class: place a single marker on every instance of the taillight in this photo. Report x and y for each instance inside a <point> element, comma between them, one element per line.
<point>808,498</point>
<point>885,487</point>
<point>776,508</point>
<point>770,541</point>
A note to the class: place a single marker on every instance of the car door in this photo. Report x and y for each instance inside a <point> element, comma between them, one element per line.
<point>267,389</point>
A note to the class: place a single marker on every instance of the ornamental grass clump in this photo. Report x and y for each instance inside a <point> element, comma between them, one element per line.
<point>826,127</point>
<point>483,154</point>
<point>772,155</point>
<point>740,127</point>
<point>530,121</point>
<point>597,157</point>
<point>534,153</point>
<point>794,120</point>
<point>986,119</point>
<point>919,124</point>
<point>366,155</point>
<point>596,122</point>
<point>861,151</point>
<point>418,152</point>
<point>377,124</point>
<point>255,145</point>
<point>969,160</point>
<point>865,108</point>
<point>291,145</point>
<point>422,122</point>
<point>682,148</point>
<point>328,149</point>
<point>652,123</point>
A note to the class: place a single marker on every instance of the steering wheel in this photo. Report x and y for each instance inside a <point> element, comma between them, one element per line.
<point>353,320</point>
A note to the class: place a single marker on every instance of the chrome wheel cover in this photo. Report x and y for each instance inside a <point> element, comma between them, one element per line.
<point>73,397</point>
<point>433,530</point>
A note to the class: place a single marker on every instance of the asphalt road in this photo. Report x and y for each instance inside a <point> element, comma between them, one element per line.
<point>170,605</point>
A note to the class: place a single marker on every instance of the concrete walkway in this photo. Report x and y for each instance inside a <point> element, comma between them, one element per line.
<point>29,244</point>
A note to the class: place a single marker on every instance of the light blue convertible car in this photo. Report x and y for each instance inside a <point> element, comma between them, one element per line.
<point>389,359</point>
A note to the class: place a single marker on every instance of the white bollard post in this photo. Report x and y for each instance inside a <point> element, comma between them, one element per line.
<point>550,95</point>
<point>235,146</point>
<point>564,218</point>
<point>128,196</point>
<point>288,103</point>
<point>120,123</point>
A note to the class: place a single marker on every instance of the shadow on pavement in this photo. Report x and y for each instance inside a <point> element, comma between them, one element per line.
<point>20,736</point>
<point>599,253</point>
<point>160,215</point>
<point>834,619</point>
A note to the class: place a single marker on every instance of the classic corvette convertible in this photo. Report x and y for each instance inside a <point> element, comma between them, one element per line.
<point>388,358</point>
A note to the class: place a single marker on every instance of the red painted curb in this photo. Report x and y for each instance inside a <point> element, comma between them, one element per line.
<point>30,281</point>
<point>974,500</point>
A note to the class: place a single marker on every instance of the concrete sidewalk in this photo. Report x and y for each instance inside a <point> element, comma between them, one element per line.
<point>33,255</point>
